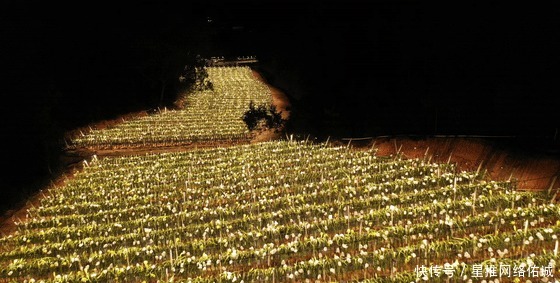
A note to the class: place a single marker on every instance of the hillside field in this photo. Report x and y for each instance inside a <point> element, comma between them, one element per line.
<point>281,211</point>
<point>204,116</point>
<point>274,211</point>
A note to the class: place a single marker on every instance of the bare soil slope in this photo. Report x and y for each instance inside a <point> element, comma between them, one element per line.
<point>533,172</point>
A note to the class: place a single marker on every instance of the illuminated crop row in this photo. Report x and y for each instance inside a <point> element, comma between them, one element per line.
<point>209,115</point>
<point>274,212</point>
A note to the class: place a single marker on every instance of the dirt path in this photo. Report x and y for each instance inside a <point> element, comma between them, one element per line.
<point>158,149</point>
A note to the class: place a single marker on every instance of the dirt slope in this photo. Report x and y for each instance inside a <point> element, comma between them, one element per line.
<point>533,171</point>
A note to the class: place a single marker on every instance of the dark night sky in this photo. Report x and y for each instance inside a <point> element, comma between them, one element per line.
<point>351,68</point>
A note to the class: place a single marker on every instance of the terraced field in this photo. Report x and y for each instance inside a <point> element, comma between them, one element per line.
<point>211,115</point>
<point>282,212</point>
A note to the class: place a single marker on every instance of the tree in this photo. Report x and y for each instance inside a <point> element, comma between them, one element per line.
<point>194,74</point>
<point>262,117</point>
<point>161,64</point>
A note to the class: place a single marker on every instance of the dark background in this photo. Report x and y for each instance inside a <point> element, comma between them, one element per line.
<point>351,68</point>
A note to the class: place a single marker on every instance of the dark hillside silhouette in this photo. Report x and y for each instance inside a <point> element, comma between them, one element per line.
<point>67,68</point>
<point>412,68</point>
